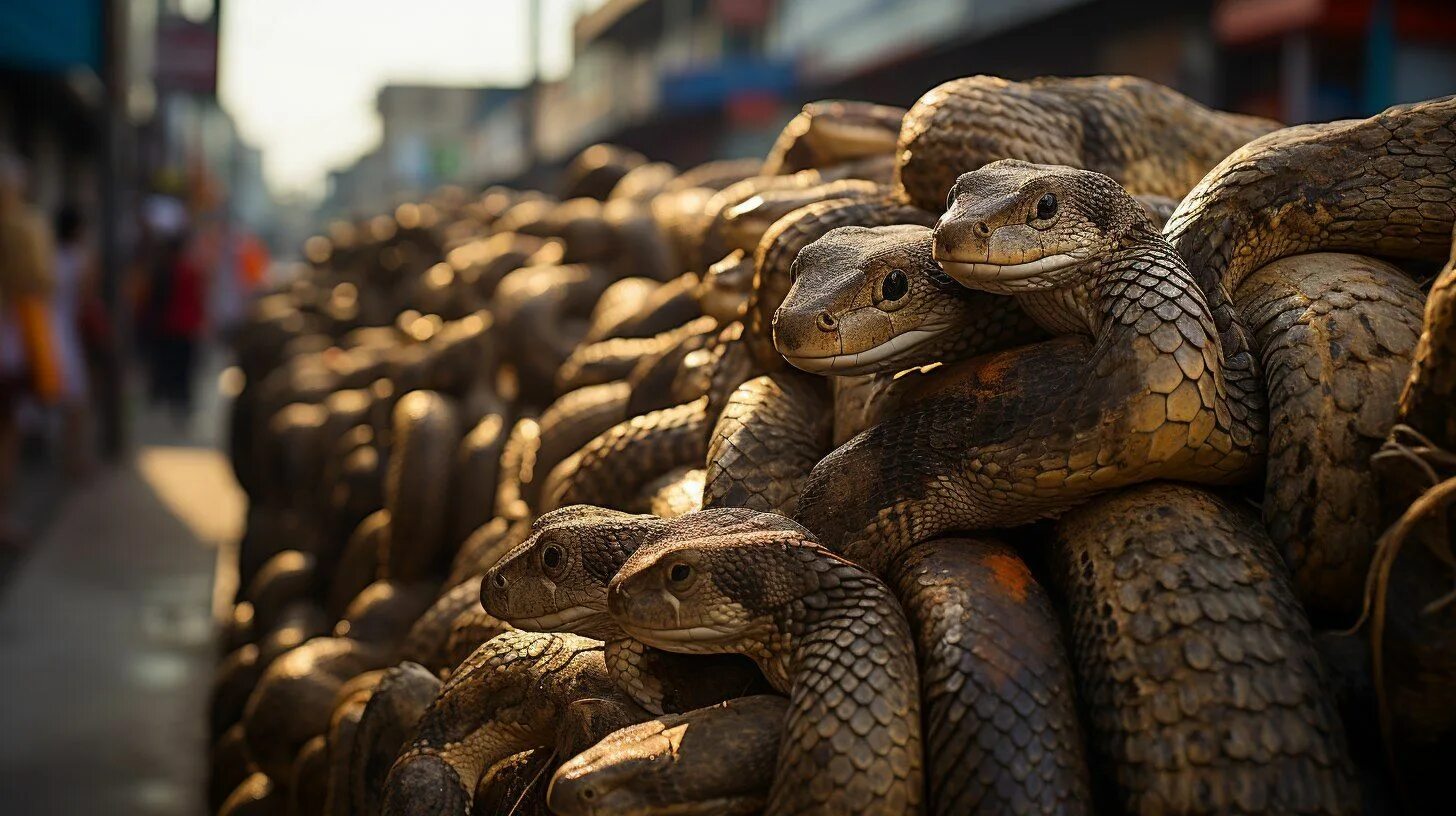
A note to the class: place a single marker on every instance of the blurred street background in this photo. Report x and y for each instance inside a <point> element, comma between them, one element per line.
<point>163,160</point>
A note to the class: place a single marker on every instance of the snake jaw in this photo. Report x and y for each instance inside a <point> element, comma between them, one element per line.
<point>1026,276</point>
<point>868,360</point>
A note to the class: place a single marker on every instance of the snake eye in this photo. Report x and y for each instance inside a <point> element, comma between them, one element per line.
<point>680,573</point>
<point>1046,206</point>
<point>551,557</point>
<point>895,285</point>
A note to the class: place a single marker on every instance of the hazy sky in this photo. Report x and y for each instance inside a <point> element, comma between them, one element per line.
<point>300,76</point>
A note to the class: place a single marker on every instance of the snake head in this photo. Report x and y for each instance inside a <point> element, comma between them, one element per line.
<point>723,293</point>
<point>712,582</point>
<point>866,300</point>
<point>1012,226</point>
<point>556,580</point>
<point>715,760</point>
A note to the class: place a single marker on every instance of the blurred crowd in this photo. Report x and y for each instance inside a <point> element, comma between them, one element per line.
<point>187,280</point>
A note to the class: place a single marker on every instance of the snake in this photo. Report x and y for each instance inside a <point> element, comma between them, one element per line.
<point>824,631</point>
<point>771,432</point>
<point>713,761</point>
<point>359,564</point>
<point>382,727</point>
<point>348,708</point>
<point>675,493</point>
<point>613,468</point>
<point>475,477</point>
<point>1136,386</point>
<point>1148,137</point>
<point>513,693</point>
<point>829,132</point>
<point>228,766</point>
<point>428,640</point>
<point>427,429</point>
<point>1002,733</point>
<point>1197,667</point>
<point>383,613</point>
<point>556,581</point>
<point>294,697</point>
<point>871,300</point>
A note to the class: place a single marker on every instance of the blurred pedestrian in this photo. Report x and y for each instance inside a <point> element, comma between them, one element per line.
<point>28,363</point>
<point>174,318</point>
<point>73,304</point>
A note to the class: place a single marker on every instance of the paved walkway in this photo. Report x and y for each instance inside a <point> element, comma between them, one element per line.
<point>106,649</point>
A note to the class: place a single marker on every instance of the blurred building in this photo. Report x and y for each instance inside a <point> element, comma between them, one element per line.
<point>688,80</point>
<point>432,135</point>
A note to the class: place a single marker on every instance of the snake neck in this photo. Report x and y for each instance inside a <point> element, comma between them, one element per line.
<point>852,735</point>
<point>1147,314</point>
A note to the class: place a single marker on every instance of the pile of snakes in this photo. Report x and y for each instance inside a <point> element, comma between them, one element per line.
<point>1056,446</point>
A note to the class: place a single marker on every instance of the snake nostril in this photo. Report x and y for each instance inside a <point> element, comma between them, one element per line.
<point>983,228</point>
<point>499,580</point>
<point>825,321</point>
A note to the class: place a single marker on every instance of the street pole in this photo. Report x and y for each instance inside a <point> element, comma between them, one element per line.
<point>112,426</point>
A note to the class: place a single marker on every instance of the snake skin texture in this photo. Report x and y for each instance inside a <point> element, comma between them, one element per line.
<point>556,581</point>
<point>836,318</point>
<point>675,493</point>
<point>426,431</point>
<point>1196,663</point>
<point>824,630</point>
<point>611,470</point>
<point>512,694</point>
<point>1011,437</point>
<point>348,710</point>
<point>573,420</point>
<point>293,699</point>
<point>1426,399</point>
<point>1383,186</point>
<point>428,640</point>
<point>476,478</point>
<point>1337,334</point>
<point>516,785</point>
<point>771,433</point>
<point>1148,137</point>
<point>715,761</point>
<point>829,132</point>
<point>390,714</point>
<point>1000,719</point>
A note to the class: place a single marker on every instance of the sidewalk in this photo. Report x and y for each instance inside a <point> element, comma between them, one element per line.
<point>106,639</point>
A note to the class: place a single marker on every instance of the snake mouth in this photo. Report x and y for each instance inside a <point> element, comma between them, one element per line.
<point>561,621</point>
<point>696,635</point>
<point>971,273</point>
<point>864,362</point>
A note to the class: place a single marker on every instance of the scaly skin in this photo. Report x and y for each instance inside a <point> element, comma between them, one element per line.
<point>1149,138</point>
<point>610,470</point>
<point>1336,333</point>
<point>771,433</point>
<point>428,640</point>
<point>556,581</point>
<point>614,358</point>
<point>426,431</point>
<point>1383,186</point>
<point>822,629</point>
<point>572,421</point>
<point>996,687</point>
<point>1146,391</point>
<point>1196,663</point>
<point>1429,393</point>
<point>512,694</point>
<point>294,697</point>
<point>715,761</point>
<point>745,223</point>
<point>832,131</point>
<point>675,493</point>
<point>348,709</point>
<point>874,300</point>
<point>394,706</point>
<point>518,469</point>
